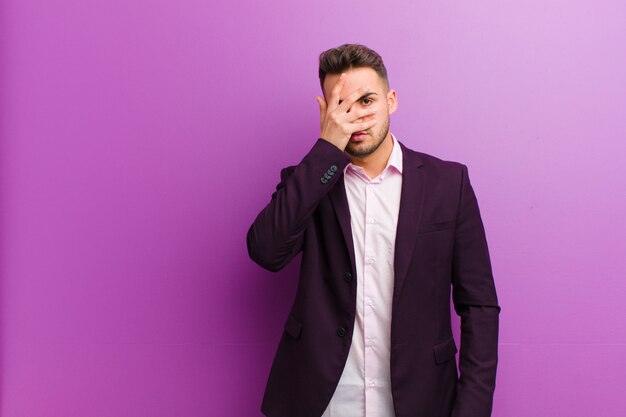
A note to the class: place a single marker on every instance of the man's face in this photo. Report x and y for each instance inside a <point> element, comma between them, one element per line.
<point>384,101</point>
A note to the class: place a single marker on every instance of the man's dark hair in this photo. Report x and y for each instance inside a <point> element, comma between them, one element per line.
<point>348,56</point>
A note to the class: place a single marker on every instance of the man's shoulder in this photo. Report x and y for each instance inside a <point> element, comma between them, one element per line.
<point>434,162</point>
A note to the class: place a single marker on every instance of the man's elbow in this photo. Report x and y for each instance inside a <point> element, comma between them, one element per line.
<point>260,254</point>
<point>484,309</point>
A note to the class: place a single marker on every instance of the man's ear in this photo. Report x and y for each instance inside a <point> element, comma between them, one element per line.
<point>392,101</point>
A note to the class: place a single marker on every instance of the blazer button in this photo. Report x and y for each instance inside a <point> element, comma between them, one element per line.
<point>348,276</point>
<point>333,168</point>
<point>323,180</point>
<point>326,175</point>
<point>341,332</point>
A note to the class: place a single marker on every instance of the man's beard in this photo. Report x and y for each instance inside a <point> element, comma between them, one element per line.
<point>353,150</point>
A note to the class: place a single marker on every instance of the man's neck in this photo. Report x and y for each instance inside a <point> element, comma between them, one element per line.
<point>376,162</point>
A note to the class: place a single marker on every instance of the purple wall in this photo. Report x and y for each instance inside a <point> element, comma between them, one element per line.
<point>139,139</point>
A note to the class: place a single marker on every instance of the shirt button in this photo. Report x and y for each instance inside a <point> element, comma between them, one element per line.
<point>369,301</point>
<point>370,260</point>
<point>371,383</point>
<point>371,220</point>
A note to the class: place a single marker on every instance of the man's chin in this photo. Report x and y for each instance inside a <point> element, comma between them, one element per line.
<point>358,149</point>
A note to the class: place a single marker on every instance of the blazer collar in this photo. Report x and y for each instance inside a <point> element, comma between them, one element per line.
<point>411,201</point>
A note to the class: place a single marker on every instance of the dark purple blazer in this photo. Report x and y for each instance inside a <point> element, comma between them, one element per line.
<point>440,245</point>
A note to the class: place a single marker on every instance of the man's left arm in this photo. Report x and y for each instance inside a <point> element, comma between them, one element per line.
<point>475,301</point>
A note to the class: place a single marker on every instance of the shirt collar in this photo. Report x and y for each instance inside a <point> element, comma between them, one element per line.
<point>395,159</point>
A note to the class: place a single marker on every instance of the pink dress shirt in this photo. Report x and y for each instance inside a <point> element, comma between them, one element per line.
<point>364,389</point>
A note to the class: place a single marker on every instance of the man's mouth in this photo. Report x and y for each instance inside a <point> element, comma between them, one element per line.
<point>358,135</point>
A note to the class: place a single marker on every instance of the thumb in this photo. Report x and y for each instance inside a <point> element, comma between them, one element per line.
<point>321,103</point>
<point>322,106</point>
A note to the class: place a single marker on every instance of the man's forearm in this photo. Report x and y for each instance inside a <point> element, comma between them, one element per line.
<point>276,234</point>
<point>478,359</point>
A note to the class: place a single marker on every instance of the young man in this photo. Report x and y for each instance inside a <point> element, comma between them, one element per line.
<point>385,233</point>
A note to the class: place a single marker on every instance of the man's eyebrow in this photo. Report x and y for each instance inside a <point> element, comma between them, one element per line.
<point>362,97</point>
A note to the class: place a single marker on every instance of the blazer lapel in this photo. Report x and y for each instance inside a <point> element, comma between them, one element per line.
<point>411,204</point>
<point>411,201</point>
<point>339,200</point>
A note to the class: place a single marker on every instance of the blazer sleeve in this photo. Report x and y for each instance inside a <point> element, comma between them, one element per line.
<point>277,233</point>
<point>475,301</point>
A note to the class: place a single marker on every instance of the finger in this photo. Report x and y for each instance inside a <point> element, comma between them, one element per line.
<point>354,96</point>
<point>335,93</point>
<point>358,127</point>
<point>359,114</point>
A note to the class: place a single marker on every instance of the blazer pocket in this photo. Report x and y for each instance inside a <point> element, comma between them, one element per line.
<point>293,327</point>
<point>445,351</point>
<point>433,227</point>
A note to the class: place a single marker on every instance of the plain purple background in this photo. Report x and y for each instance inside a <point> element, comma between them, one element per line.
<point>141,138</point>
